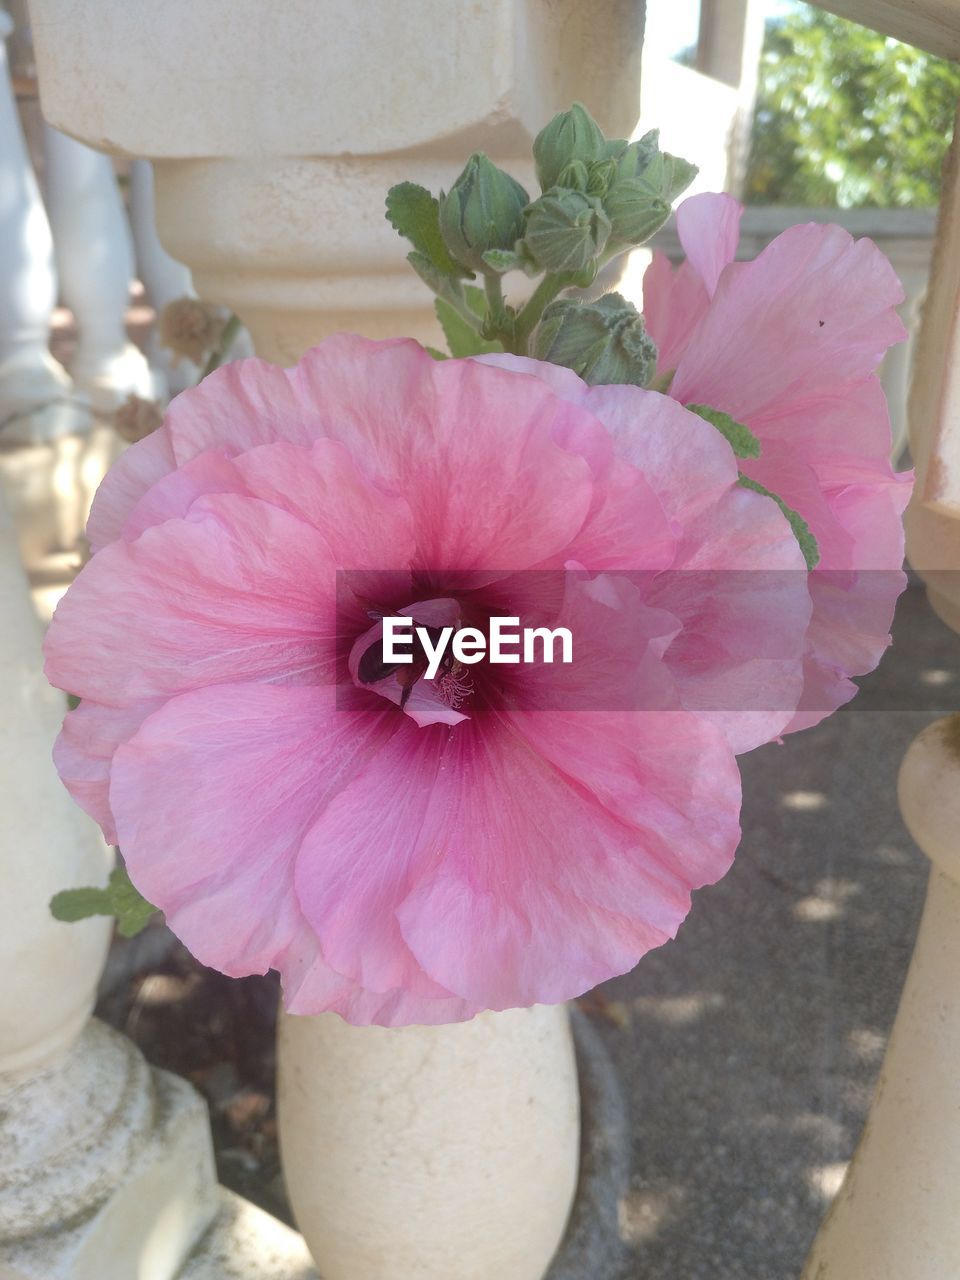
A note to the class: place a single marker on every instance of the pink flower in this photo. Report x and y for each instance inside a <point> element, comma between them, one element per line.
<point>788,345</point>
<point>415,854</point>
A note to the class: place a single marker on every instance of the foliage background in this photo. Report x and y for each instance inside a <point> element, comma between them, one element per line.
<point>846,117</point>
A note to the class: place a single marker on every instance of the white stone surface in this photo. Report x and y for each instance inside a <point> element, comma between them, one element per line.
<point>48,488</point>
<point>164,278</point>
<point>428,1153</point>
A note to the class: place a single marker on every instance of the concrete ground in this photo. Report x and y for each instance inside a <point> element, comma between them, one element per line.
<point>750,1047</point>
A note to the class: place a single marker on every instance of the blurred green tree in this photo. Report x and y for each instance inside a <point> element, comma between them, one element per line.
<point>847,117</point>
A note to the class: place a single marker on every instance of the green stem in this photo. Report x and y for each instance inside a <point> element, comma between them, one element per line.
<point>495,305</point>
<point>529,316</point>
<point>454,297</point>
<point>217,355</point>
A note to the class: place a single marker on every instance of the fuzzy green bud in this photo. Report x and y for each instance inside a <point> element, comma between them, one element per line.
<point>570,136</point>
<point>565,230</point>
<point>483,210</point>
<point>633,157</point>
<point>635,212</point>
<point>648,181</point>
<point>603,341</point>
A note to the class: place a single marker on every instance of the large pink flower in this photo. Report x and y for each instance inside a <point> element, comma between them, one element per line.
<point>789,345</point>
<point>495,838</point>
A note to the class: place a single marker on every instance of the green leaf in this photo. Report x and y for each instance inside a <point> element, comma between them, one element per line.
<point>415,214</point>
<point>131,908</point>
<point>119,899</point>
<point>435,280</point>
<point>801,530</point>
<point>462,338</point>
<point>740,438</point>
<point>437,355</point>
<point>71,905</point>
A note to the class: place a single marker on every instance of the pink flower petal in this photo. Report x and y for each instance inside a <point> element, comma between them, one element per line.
<point>83,754</point>
<point>813,310</point>
<point>709,229</point>
<point>262,760</point>
<point>137,468</point>
<point>447,876</point>
<point>310,986</point>
<point>238,590</point>
<point>674,303</point>
<point>649,802</point>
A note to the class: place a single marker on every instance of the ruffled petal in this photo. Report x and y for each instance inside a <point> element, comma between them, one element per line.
<point>130,477</point>
<point>212,796</point>
<point>310,986</point>
<point>709,229</point>
<point>814,310</point>
<point>675,300</point>
<point>84,751</point>
<point>236,591</point>
<point>504,913</point>
<point>463,870</point>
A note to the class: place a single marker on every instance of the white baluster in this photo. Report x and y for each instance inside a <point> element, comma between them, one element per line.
<point>94,252</point>
<point>107,1170</point>
<point>430,1152</point>
<point>37,401</point>
<point>273,195</point>
<point>895,1218</point>
<point>164,278</point>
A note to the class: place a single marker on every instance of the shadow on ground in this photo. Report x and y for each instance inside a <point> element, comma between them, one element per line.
<point>751,1045</point>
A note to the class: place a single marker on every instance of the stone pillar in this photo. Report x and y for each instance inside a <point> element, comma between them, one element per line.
<point>164,278</point>
<point>106,1169</point>
<point>895,1217</point>
<point>424,1153</point>
<point>94,253</point>
<point>37,400</point>
<point>273,148</point>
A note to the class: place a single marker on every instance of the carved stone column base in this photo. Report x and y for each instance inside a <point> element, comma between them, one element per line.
<point>244,1243</point>
<point>108,1166</point>
<point>38,401</point>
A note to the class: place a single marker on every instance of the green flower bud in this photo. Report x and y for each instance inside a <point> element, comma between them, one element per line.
<point>565,230</point>
<point>575,176</point>
<point>647,183</point>
<point>633,157</point>
<point>572,135</point>
<point>483,210</point>
<point>603,341</point>
<point>667,175</point>
<point>635,212</point>
<point>601,177</point>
